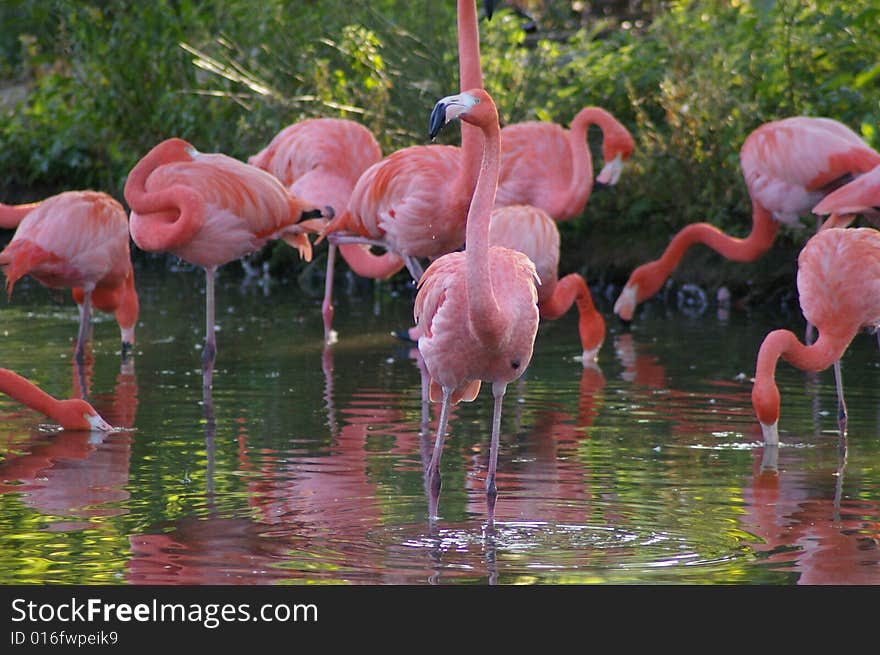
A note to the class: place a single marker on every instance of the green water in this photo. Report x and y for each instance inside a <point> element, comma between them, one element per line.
<point>305,465</point>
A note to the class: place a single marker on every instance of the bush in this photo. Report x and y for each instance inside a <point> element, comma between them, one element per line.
<point>106,81</point>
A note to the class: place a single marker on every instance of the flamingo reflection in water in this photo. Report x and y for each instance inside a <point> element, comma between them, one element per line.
<point>543,483</point>
<point>302,500</point>
<point>804,527</point>
<point>79,475</point>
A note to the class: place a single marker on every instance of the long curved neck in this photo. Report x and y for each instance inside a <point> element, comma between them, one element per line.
<point>581,183</point>
<point>484,313</point>
<point>826,350</point>
<point>469,70</point>
<point>573,289</point>
<point>173,215</point>
<point>12,215</point>
<point>23,391</point>
<point>129,308</point>
<point>470,77</point>
<point>652,276</point>
<point>365,264</point>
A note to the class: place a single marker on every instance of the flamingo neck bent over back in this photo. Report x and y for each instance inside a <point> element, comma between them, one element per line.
<point>12,215</point>
<point>178,212</point>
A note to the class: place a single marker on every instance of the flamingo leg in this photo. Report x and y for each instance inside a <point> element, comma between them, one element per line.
<point>327,367</point>
<point>433,472</point>
<point>841,403</point>
<point>327,305</point>
<point>210,350</point>
<point>85,317</point>
<point>498,390</point>
<point>210,432</point>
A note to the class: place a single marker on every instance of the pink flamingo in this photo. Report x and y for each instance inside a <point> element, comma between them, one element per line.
<point>71,414</point>
<point>414,202</point>
<point>861,196</point>
<point>320,160</point>
<point>547,166</point>
<point>532,231</point>
<point>77,240</point>
<point>788,166</point>
<point>210,209</point>
<point>838,284</point>
<point>476,310</point>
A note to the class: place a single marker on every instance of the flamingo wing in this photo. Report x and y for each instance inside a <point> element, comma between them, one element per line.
<point>246,206</point>
<point>535,164</point>
<point>532,232</point>
<point>789,165</point>
<point>77,238</point>
<point>406,200</point>
<point>838,279</point>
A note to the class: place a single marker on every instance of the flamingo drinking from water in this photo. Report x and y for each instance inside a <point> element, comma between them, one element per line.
<point>210,209</point>
<point>838,284</point>
<point>76,240</point>
<point>476,310</point>
<point>71,414</point>
<point>532,231</point>
<point>788,166</point>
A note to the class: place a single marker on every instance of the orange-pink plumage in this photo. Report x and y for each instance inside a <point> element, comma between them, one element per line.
<point>77,240</point>
<point>533,232</point>
<point>838,284</point>
<point>788,166</point>
<point>476,310</point>
<point>550,167</point>
<point>210,209</point>
<point>320,160</point>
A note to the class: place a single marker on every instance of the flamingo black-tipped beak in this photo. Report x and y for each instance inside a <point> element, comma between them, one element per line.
<point>600,186</point>
<point>312,213</point>
<point>403,335</point>
<point>127,349</point>
<point>438,119</point>
<point>489,8</point>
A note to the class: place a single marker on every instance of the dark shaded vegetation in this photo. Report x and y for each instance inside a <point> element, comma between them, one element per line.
<point>89,87</point>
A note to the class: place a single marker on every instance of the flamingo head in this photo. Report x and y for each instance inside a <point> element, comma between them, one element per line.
<point>643,283</point>
<point>617,146</point>
<point>610,173</point>
<point>174,149</point>
<point>127,313</point>
<point>489,8</point>
<point>474,106</point>
<point>765,401</point>
<point>77,414</point>
<point>625,305</point>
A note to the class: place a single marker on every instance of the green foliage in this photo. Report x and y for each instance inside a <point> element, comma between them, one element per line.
<point>106,81</point>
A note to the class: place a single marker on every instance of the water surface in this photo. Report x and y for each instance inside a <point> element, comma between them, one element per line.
<point>304,464</point>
